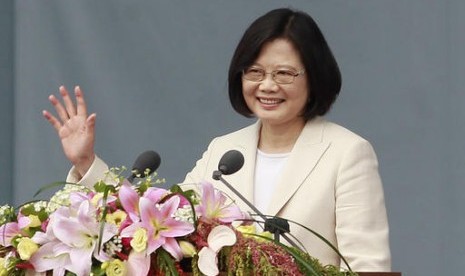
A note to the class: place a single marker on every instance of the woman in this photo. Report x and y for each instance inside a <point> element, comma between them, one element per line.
<point>297,165</point>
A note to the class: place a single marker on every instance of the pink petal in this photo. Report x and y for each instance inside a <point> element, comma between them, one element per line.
<point>148,210</point>
<point>230,214</point>
<point>155,194</point>
<point>81,261</point>
<point>170,207</point>
<point>130,201</point>
<point>50,256</point>
<point>172,247</point>
<point>7,232</point>
<point>154,243</point>
<point>23,222</point>
<point>77,197</point>
<point>71,233</point>
<point>138,263</point>
<point>177,228</point>
<point>129,231</point>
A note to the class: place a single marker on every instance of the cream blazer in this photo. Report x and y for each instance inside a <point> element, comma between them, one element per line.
<point>330,184</point>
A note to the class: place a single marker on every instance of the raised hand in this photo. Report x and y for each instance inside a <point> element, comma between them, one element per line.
<point>75,129</point>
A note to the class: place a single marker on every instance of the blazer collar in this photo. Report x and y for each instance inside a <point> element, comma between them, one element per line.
<point>307,151</point>
<point>304,157</point>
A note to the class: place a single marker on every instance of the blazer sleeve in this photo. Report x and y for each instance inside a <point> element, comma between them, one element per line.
<point>361,221</point>
<point>199,172</point>
<point>95,173</point>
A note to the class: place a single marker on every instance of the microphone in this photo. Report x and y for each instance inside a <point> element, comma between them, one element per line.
<point>231,162</point>
<point>147,160</point>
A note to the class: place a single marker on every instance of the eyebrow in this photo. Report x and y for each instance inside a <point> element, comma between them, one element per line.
<point>276,67</point>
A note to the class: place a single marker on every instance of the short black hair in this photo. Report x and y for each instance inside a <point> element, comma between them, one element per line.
<point>299,28</point>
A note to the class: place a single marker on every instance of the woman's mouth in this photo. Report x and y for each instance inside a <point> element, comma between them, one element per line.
<point>268,101</point>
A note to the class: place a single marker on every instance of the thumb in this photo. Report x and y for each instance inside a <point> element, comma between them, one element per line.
<point>90,122</point>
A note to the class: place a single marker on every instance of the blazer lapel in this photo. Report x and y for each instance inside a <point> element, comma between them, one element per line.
<point>305,155</point>
<point>243,179</point>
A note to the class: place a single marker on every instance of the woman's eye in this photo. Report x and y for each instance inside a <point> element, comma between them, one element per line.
<point>254,71</point>
<point>285,73</point>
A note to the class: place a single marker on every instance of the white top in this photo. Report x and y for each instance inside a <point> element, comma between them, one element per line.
<point>268,168</point>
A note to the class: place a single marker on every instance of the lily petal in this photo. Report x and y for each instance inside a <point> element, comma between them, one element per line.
<point>130,201</point>
<point>155,194</point>
<point>7,232</point>
<point>50,256</point>
<point>172,246</point>
<point>138,263</point>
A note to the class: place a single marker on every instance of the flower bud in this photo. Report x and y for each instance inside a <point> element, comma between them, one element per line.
<point>187,249</point>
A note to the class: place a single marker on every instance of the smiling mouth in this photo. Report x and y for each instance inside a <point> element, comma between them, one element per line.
<point>270,101</point>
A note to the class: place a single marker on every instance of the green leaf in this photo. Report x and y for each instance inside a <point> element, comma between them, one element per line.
<point>166,263</point>
<point>53,185</point>
<point>108,188</point>
<point>101,186</point>
<point>325,241</point>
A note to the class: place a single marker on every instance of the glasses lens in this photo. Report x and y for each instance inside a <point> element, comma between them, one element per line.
<point>283,76</point>
<point>254,74</point>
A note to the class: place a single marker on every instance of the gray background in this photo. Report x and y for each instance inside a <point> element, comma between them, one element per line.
<point>155,72</point>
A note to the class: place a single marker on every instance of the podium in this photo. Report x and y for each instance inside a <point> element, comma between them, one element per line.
<point>379,273</point>
<point>359,273</point>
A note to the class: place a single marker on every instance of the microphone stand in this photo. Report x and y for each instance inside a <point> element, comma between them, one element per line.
<point>218,175</point>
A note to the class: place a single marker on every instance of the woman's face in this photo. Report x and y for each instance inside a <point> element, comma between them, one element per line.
<point>275,103</point>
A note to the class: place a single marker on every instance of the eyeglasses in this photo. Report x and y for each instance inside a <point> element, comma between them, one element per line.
<point>281,76</point>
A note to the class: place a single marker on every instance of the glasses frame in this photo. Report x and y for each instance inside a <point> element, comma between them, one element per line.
<point>273,75</point>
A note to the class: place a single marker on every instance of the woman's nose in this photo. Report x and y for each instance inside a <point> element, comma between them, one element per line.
<point>268,84</point>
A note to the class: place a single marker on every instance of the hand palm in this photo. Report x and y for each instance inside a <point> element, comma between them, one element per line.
<point>74,127</point>
<point>76,139</point>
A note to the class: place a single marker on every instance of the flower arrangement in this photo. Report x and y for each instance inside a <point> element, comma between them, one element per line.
<point>124,229</point>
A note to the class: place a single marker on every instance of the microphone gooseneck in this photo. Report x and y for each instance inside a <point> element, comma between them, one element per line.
<point>147,160</point>
<point>231,162</point>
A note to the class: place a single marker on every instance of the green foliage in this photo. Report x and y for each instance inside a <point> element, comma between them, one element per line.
<point>165,263</point>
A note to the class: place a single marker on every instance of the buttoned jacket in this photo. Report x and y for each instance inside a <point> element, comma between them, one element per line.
<point>330,184</point>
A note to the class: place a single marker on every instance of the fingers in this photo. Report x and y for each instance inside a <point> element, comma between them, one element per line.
<point>90,122</point>
<point>61,111</point>
<point>81,104</point>
<point>70,108</point>
<point>52,120</point>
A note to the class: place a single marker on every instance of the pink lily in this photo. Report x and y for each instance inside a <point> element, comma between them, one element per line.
<point>161,227</point>
<point>130,199</point>
<point>71,241</point>
<point>212,206</point>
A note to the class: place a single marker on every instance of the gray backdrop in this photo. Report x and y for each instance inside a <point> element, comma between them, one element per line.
<point>155,72</point>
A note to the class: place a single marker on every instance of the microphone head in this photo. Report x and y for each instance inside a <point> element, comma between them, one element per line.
<point>231,162</point>
<point>146,160</point>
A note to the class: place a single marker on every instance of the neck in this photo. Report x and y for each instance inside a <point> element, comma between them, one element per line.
<point>279,138</point>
